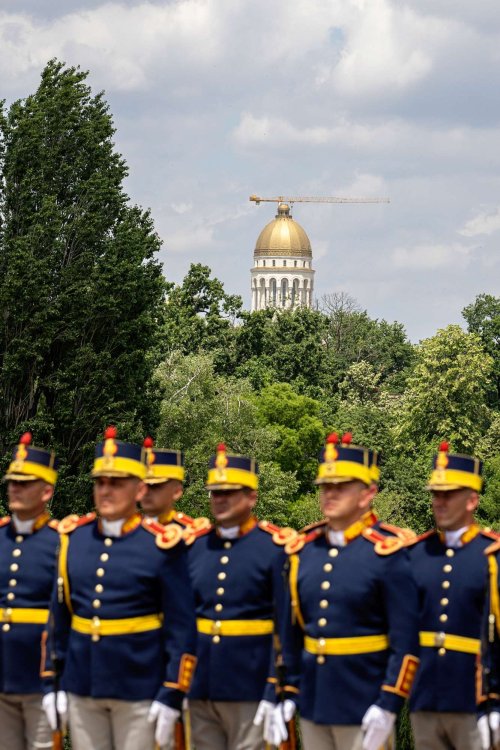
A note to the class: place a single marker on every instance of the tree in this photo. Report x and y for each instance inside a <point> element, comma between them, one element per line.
<point>80,289</point>
<point>483,318</point>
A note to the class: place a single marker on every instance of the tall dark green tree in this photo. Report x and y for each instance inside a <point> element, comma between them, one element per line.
<point>81,291</point>
<point>483,318</point>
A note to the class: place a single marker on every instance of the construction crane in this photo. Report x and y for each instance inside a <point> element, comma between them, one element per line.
<point>307,199</point>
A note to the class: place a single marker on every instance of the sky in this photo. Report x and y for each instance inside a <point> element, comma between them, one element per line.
<point>215,100</point>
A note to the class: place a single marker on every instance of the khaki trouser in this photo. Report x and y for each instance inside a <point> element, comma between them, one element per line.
<point>334,737</point>
<point>23,725</point>
<point>110,724</point>
<point>221,725</point>
<point>434,730</point>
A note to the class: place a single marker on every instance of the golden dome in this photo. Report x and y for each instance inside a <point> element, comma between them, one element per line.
<point>283,237</point>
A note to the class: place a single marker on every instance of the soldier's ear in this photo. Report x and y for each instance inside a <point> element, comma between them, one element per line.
<point>47,492</point>
<point>140,491</point>
<point>472,501</point>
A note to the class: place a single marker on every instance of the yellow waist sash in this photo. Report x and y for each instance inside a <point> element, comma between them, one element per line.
<point>451,642</point>
<point>234,627</point>
<point>26,616</point>
<point>363,644</point>
<point>97,627</point>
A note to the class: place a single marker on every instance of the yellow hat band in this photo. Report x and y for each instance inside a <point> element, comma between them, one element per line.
<point>443,478</point>
<point>346,470</point>
<point>106,466</point>
<point>163,472</point>
<point>31,469</point>
<point>232,476</point>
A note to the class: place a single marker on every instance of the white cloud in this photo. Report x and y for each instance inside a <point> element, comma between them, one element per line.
<point>483,223</point>
<point>430,257</point>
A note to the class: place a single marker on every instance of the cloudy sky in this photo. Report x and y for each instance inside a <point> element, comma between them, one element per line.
<point>214,100</point>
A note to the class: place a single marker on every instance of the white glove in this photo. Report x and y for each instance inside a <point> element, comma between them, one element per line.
<point>263,715</point>
<point>165,718</point>
<point>50,704</point>
<point>282,714</point>
<point>377,725</point>
<point>484,729</point>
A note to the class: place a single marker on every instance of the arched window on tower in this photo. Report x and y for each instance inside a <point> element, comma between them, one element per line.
<point>262,295</point>
<point>295,293</point>
<point>272,292</point>
<point>284,292</point>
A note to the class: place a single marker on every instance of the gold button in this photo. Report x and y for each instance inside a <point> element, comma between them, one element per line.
<point>100,572</point>
<point>96,603</point>
<point>322,642</point>
<point>447,568</point>
<point>219,607</point>
<point>16,553</point>
<point>445,602</point>
<point>216,639</point>
<point>322,622</point>
<point>441,651</point>
<point>99,588</point>
<point>19,539</point>
<point>445,585</point>
<point>320,659</point>
<point>443,617</point>
<point>8,612</point>
<point>323,603</point>
<point>6,627</point>
<point>327,567</point>
<point>219,591</point>
<point>227,545</point>
<point>224,560</point>
<point>450,553</point>
<point>108,542</point>
<point>104,557</point>
<point>12,582</point>
<point>221,576</point>
<point>11,596</point>
<point>14,567</point>
<point>333,552</point>
<point>325,585</point>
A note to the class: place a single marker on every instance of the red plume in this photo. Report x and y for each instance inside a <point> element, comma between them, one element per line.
<point>148,442</point>
<point>110,432</point>
<point>444,447</point>
<point>347,438</point>
<point>26,438</point>
<point>221,448</point>
<point>333,438</point>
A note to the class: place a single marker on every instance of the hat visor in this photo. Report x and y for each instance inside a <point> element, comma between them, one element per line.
<point>158,480</point>
<point>226,486</point>
<point>19,478</point>
<point>337,480</point>
<point>444,487</point>
<point>115,474</point>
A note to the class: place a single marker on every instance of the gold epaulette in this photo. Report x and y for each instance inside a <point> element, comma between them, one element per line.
<point>490,533</point>
<point>166,536</point>
<point>300,540</point>
<point>53,524</point>
<point>197,524</point>
<point>155,527</point>
<point>70,523</point>
<point>406,535</point>
<point>495,547</point>
<point>312,526</point>
<point>280,535</point>
<point>384,545</point>
<point>420,537</point>
<point>5,520</point>
<point>191,534</point>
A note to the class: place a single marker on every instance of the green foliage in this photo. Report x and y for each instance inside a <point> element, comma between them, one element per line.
<point>483,318</point>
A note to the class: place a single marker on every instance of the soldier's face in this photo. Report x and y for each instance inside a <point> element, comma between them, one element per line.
<point>232,507</point>
<point>117,497</point>
<point>454,509</point>
<point>28,499</point>
<point>161,498</point>
<point>342,504</point>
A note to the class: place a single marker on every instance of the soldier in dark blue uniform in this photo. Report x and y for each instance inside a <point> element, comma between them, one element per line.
<point>489,683</point>
<point>164,480</point>
<point>28,554</point>
<point>450,570</point>
<point>350,628</point>
<point>124,624</point>
<point>236,569</point>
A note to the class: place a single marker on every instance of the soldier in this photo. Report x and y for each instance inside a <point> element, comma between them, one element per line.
<point>124,626</point>
<point>164,478</point>
<point>450,570</point>
<point>489,693</point>
<point>28,553</point>
<point>236,569</point>
<point>350,627</point>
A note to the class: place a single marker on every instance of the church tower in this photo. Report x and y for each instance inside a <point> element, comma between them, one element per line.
<point>282,274</point>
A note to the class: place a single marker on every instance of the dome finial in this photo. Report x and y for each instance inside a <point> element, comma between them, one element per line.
<point>283,210</point>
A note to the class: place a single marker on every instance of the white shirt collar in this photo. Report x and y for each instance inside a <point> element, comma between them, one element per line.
<point>231,533</point>
<point>336,538</point>
<point>453,538</point>
<point>112,528</point>
<point>24,527</point>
